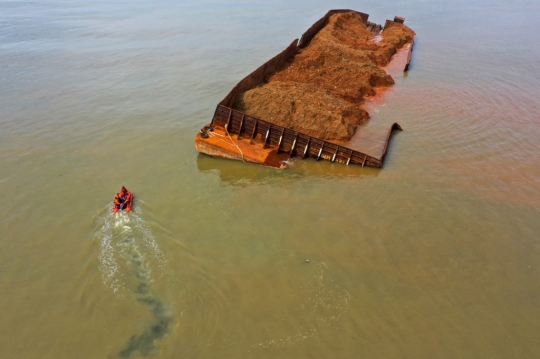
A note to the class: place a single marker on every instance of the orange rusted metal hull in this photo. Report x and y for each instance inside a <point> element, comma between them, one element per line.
<point>235,135</point>
<point>220,144</point>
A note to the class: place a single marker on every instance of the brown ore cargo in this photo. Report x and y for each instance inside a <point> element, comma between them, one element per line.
<point>306,101</point>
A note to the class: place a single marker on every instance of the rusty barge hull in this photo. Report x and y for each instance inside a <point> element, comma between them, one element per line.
<point>235,135</point>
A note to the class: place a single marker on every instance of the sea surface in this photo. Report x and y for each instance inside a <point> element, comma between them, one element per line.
<point>436,255</point>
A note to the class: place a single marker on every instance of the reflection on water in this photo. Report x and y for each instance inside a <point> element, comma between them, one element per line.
<point>130,262</point>
<point>239,174</point>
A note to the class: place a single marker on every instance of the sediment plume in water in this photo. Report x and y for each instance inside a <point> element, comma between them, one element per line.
<point>320,92</point>
<point>130,261</point>
<point>144,343</point>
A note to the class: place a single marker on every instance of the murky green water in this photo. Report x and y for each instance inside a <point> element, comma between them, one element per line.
<point>434,256</point>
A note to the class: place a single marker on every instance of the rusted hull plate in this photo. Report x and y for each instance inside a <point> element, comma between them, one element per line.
<point>235,135</point>
<point>218,143</point>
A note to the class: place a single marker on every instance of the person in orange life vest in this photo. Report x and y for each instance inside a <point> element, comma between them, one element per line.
<point>123,194</point>
<point>127,197</point>
<point>117,202</point>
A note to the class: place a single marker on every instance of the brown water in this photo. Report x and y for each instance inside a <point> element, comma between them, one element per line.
<point>434,256</point>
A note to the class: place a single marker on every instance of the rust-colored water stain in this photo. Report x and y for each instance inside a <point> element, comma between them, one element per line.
<point>400,60</point>
<point>369,138</point>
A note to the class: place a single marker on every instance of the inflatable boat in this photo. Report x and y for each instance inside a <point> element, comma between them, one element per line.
<point>123,200</point>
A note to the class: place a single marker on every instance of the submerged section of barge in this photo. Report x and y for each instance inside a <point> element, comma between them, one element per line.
<point>306,101</point>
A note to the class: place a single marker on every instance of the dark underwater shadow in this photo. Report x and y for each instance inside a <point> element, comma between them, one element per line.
<point>144,343</point>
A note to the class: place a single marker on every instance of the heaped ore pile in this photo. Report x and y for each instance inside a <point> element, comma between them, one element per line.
<point>321,90</point>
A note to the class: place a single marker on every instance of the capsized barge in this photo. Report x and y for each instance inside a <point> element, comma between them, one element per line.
<point>234,134</point>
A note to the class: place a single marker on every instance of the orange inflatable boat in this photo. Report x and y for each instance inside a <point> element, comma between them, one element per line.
<point>123,200</point>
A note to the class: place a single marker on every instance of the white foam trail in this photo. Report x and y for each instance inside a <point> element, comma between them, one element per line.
<point>130,260</point>
<point>129,252</point>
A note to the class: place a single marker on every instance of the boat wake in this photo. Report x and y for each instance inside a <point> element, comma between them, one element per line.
<point>130,261</point>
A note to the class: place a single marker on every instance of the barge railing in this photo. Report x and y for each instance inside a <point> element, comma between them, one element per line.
<point>286,140</point>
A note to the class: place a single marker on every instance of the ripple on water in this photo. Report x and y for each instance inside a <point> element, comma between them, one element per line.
<point>324,303</point>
